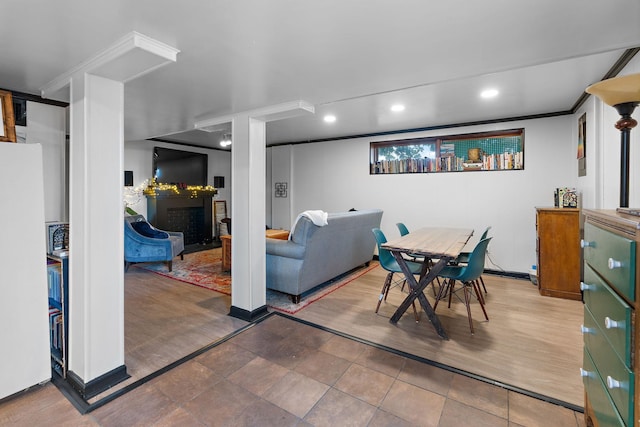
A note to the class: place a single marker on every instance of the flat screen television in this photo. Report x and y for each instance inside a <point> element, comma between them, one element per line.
<point>179,167</point>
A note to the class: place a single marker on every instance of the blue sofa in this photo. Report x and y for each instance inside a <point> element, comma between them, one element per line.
<point>314,255</point>
<point>145,243</point>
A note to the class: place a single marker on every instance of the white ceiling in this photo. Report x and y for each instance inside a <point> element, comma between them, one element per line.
<point>349,58</point>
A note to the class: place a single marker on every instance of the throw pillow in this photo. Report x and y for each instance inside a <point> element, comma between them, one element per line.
<point>145,229</point>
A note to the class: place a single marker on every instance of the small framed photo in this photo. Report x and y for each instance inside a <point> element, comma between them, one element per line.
<point>582,145</point>
<point>7,123</point>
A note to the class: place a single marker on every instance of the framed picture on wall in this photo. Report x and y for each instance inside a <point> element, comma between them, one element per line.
<point>582,145</point>
<point>7,124</point>
<point>281,189</point>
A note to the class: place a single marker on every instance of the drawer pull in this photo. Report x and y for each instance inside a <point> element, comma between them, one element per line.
<point>585,373</point>
<point>585,244</point>
<point>614,264</point>
<point>611,383</point>
<point>586,330</point>
<point>587,287</point>
<point>611,324</point>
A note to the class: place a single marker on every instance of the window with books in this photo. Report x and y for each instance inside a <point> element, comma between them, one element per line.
<point>485,151</point>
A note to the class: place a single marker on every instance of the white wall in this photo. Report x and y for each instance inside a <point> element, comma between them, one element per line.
<point>46,126</point>
<point>138,157</point>
<point>334,176</point>
<point>281,167</point>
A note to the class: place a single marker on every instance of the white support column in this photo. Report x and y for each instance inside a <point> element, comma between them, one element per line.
<point>248,158</point>
<point>96,238</point>
<point>248,175</point>
<point>96,332</point>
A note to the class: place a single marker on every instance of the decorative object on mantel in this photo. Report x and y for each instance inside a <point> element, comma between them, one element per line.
<point>7,120</point>
<point>133,195</point>
<point>623,94</point>
<point>155,188</point>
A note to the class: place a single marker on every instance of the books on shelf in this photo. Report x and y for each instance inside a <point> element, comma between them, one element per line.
<point>448,163</point>
<point>54,281</point>
<point>55,328</point>
<point>57,234</point>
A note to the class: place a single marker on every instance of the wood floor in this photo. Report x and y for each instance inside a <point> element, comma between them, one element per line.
<point>530,341</point>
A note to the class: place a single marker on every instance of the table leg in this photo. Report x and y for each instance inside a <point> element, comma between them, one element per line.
<point>417,291</point>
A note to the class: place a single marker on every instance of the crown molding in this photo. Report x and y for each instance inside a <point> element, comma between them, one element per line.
<point>130,57</point>
<point>268,114</point>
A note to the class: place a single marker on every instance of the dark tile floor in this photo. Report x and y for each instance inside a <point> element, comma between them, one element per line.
<point>281,372</point>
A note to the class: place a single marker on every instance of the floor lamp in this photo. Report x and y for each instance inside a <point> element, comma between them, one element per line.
<point>623,94</point>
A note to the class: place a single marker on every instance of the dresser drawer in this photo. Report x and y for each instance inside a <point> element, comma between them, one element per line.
<point>616,377</point>
<point>611,313</point>
<point>613,257</point>
<point>604,409</point>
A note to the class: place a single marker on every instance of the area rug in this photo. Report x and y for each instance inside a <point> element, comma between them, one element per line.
<point>204,269</point>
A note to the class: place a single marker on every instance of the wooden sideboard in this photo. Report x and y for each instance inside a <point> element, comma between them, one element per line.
<point>611,334</point>
<point>558,252</point>
<point>226,245</point>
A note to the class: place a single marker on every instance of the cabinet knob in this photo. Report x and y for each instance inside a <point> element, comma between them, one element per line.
<point>611,324</point>
<point>614,264</point>
<point>586,244</point>
<point>611,383</point>
<point>587,287</point>
<point>585,373</point>
<point>586,330</point>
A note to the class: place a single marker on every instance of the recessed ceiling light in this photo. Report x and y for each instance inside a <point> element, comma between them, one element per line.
<point>489,93</point>
<point>329,118</point>
<point>397,108</point>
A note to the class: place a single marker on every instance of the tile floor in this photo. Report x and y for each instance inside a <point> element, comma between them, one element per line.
<point>281,372</point>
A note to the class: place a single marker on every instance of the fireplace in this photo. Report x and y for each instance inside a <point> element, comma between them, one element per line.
<point>185,211</point>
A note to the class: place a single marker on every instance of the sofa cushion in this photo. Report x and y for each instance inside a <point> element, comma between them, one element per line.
<point>146,230</point>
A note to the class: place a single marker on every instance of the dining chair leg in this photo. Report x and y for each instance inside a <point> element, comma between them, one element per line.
<point>476,288</point>
<point>483,286</point>
<point>441,293</point>
<point>451,287</point>
<point>385,290</point>
<point>467,302</point>
<point>478,293</point>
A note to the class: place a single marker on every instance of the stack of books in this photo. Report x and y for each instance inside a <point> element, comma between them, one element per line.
<point>565,197</point>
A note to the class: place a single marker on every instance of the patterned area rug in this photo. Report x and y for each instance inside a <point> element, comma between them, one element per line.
<point>204,269</point>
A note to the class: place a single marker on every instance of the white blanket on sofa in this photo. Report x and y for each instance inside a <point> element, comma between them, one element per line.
<point>319,218</point>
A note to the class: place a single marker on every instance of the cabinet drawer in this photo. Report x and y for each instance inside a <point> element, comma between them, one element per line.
<point>610,368</point>
<point>604,409</point>
<point>611,313</point>
<point>613,257</point>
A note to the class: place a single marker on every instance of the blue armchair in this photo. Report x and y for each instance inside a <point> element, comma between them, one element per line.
<point>144,243</point>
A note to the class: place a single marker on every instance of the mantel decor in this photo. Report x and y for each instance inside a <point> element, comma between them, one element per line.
<point>623,94</point>
<point>159,189</point>
<point>7,120</point>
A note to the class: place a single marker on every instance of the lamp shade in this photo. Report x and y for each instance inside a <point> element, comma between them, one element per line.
<point>618,90</point>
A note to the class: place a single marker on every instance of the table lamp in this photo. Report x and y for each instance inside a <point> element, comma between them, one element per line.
<point>623,94</point>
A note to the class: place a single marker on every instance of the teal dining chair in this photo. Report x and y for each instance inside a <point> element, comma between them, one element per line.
<point>468,275</point>
<point>389,263</point>
<point>463,258</point>
<point>403,232</point>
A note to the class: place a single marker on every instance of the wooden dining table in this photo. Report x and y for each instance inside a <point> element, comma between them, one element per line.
<point>443,244</point>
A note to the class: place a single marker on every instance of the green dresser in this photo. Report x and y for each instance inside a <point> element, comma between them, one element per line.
<point>610,327</point>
